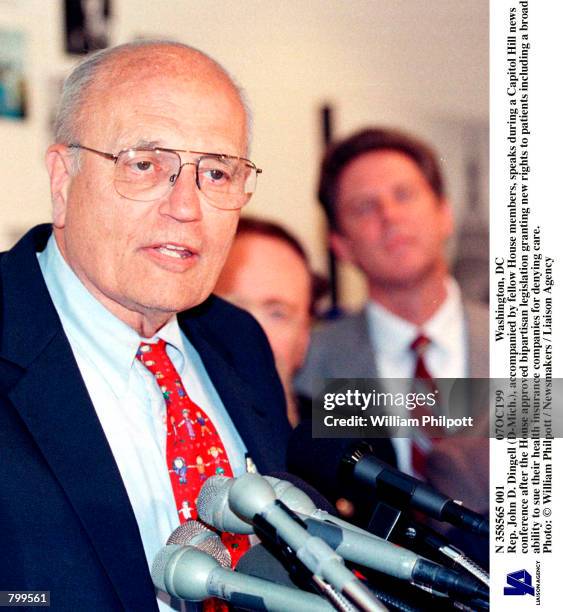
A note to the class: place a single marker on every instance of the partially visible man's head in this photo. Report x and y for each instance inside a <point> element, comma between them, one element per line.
<point>383,195</point>
<point>144,259</point>
<point>267,273</point>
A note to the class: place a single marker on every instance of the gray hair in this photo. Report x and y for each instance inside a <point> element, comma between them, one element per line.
<point>82,77</point>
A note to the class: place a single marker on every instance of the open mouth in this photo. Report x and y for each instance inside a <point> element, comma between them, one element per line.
<point>171,250</point>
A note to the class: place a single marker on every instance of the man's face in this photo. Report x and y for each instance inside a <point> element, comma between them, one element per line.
<point>265,276</point>
<point>392,225</point>
<point>148,259</point>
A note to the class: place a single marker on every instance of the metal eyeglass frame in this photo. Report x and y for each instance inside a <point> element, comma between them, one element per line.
<point>114,157</point>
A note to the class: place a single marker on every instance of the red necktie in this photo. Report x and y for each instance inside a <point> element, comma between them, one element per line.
<point>422,440</point>
<point>194,450</point>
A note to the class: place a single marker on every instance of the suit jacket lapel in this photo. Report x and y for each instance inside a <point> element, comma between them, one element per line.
<point>53,402</point>
<point>250,419</point>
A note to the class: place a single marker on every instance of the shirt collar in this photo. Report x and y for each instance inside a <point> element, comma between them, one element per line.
<point>441,328</point>
<point>392,334</point>
<point>109,344</point>
<point>176,347</point>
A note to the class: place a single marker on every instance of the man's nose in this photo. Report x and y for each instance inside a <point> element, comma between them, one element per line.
<point>389,210</point>
<point>183,202</point>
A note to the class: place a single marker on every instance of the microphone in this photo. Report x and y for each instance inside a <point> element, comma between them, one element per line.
<point>291,490</point>
<point>252,498</point>
<point>382,556</point>
<point>365,549</point>
<point>403,491</point>
<point>323,463</point>
<point>262,563</point>
<point>193,533</point>
<point>423,537</point>
<point>213,506</point>
<point>350,542</point>
<point>213,503</point>
<point>306,501</point>
<point>257,562</point>
<point>188,573</point>
<point>394,593</point>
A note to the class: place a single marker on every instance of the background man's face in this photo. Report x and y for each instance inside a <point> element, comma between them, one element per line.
<point>391,224</point>
<point>265,276</point>
<point>164,255</point>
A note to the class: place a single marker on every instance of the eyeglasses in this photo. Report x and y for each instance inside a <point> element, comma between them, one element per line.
<point>148,174</point>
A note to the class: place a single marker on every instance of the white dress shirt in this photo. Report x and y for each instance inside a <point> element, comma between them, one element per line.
<point>128,401</point>
<point>446,356</point>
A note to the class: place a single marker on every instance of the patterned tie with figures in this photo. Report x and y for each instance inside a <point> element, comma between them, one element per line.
<point>194,450</point>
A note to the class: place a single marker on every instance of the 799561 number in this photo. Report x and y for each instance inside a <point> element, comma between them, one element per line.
<point>25,598</point>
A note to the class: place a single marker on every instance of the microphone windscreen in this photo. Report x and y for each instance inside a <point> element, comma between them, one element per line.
<point>189,534</point>
<point>216,549</point>
<point>193,533</point>
<point>158,568</point>
<point>212,500</point>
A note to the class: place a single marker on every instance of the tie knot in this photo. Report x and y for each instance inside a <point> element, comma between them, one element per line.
<point>420,344</point>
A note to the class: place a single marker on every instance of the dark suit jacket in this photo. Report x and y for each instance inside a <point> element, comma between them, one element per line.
<point>66,522</point>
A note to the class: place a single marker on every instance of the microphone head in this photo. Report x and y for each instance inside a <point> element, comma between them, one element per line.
<point>213,506</point>
<point>190,533</point>
<point>183,571</point>
<point>160,563</point>
<point>250,495</point>
<point>193,533</point>
<point>212,500</point>
<point>291,496</point>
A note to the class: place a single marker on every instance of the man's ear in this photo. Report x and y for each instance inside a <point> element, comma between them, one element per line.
<point>59,166</point>
<point>340,247</point>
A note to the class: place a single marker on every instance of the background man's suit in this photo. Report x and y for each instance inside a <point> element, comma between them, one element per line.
<point>342,349</point>
<point>67,524</point>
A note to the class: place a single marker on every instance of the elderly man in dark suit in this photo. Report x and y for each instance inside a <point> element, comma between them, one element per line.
<point>123,384</point>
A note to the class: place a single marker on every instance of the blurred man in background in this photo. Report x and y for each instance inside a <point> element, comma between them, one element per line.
<point>384,198</point>
<point>267,273</point>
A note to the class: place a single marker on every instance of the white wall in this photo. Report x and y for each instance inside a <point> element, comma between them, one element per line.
<point>420,65</point>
